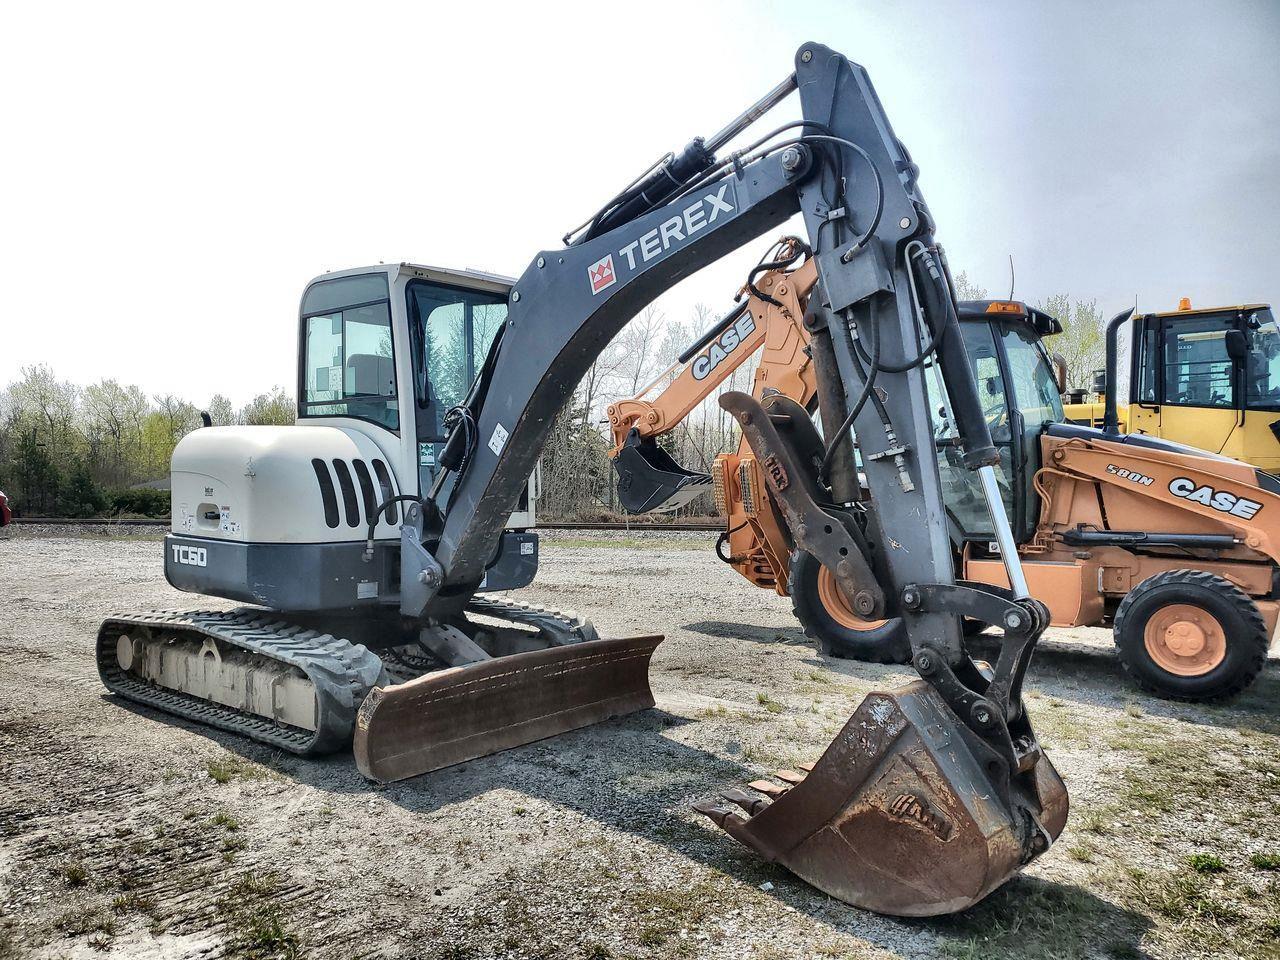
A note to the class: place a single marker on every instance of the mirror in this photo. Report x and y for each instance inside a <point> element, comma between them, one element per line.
<point>1237,345</point>
<point>1060,372</point>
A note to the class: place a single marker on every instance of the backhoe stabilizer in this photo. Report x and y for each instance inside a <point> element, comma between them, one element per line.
<point>899,815</point>
<point>459,714</point>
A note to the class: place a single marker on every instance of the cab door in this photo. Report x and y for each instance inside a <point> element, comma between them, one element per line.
<point>1199,383</point>
<point>1261,435</point>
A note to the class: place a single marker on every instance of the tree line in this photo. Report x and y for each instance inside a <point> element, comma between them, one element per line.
<point>67,450</point>
<point>82,451</point>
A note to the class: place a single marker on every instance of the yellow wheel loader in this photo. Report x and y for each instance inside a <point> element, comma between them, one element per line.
<point>1176,548</point>
<point>1206,377</point>
<point>366,537</point>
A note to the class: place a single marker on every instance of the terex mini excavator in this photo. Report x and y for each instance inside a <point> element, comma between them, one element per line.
<point>931,796</point>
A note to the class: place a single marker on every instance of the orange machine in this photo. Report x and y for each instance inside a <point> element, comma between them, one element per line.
<point>768,319</point>
<point>1176,548</point>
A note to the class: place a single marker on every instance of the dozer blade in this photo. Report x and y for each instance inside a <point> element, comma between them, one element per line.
<point>462,713</point>
<point>898,815</point>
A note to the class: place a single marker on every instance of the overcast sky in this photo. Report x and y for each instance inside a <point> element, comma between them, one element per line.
<point>174,174</point>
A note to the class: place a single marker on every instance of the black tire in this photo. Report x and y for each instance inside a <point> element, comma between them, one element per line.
<point>1242,624</point>
<point>883,644</point>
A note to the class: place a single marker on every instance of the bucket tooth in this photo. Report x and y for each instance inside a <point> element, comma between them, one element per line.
<point>899,815</point>
<point>751,803</point>
<point>722,815</point>
<point>789,776</point>
<point>806,767</point>
<point>768,788</point>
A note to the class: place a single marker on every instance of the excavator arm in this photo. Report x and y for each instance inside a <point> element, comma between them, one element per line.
<point>768,321</point>
<point>933,795</point>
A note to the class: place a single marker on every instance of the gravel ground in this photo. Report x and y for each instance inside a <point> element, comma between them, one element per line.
<point>126,834</point>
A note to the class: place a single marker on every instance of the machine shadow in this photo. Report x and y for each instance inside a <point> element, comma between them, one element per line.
<point>626,775</point>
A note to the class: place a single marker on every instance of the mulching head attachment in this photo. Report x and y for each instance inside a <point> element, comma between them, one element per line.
<point>465,712</point>
<point>905,813</point>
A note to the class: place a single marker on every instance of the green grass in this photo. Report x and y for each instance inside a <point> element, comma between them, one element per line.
<point>74,874</point>
<point>256,928</point>
<point>766,701</point>
<point>1265,861</point>
<point>229,767</point>
<point>1206,863</point>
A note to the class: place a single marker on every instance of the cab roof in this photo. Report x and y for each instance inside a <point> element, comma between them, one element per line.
<point>1194,311</point>
<point>1044,324</point>
<point>468,277</point>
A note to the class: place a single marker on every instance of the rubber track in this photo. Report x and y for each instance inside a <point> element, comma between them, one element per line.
<point>341,673</point>
<point>557,626</point>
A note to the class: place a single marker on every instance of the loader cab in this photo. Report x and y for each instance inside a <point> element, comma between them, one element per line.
<point>1209,378</point>
<point>390,350</point>
<point>1017,382</point>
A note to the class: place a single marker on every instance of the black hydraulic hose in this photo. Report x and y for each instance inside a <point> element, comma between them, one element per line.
<point>868,385</point>
<point>935,337</point>
<point>1110,416</point>
<point>373,520</point>
<point>714,331</point>
<point>802,250</point>
<point>723,539</point>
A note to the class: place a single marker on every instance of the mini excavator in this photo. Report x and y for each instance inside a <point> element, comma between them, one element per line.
<point>368,536</point>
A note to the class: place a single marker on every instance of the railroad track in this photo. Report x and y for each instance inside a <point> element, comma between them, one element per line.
<point>696,526</point>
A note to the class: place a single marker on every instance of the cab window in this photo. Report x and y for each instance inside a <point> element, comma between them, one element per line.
<point>451,330</point>
<point>961,487</point>
<point>349,361</point>
<point>1197,370</point>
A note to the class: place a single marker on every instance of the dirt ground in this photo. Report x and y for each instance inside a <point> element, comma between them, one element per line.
<point>126,834</point>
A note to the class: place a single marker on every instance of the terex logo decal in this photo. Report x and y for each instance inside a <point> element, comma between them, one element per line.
<point>191,556</point>
<point>724,345</point>
<point>602,275</point>
<point>695,217</point>
<point>1221,500</point>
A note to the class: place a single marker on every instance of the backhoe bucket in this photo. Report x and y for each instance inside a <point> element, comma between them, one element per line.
<point>462,713</point>
<point>650,480</point>
<point>898,815</point>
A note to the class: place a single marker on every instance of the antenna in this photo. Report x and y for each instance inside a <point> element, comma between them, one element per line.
<point>1011,276</point>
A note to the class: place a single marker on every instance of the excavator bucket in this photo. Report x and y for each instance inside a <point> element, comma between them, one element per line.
<point>898,815</point>
<point>649,479</point>
<point>462,713</point>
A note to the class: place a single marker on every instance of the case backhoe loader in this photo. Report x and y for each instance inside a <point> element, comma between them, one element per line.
<point>1177,549</point>
<point>365,553</point>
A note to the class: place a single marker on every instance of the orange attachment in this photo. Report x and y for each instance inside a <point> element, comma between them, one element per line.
<point>1185,640</point>
<point>1184,303</point>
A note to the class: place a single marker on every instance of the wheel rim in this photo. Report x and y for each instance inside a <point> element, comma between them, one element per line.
<point>838,607</point>
<point>1185,640</point>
